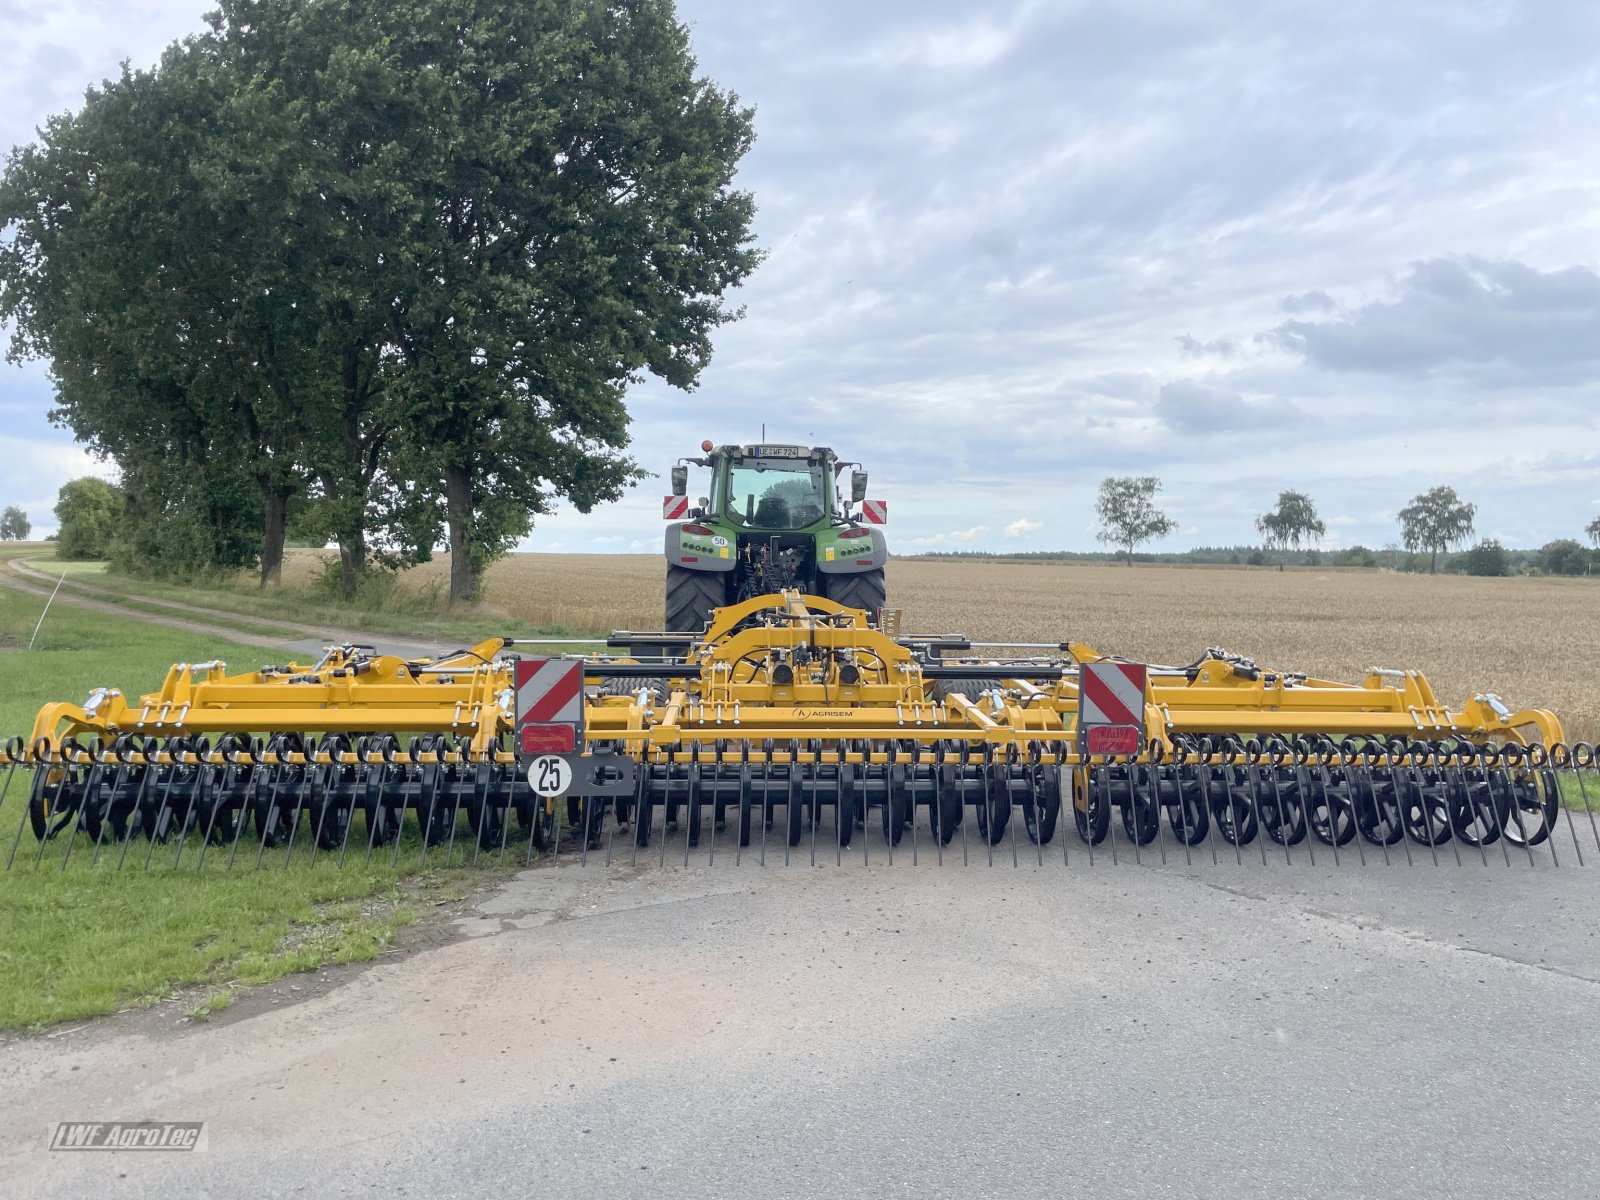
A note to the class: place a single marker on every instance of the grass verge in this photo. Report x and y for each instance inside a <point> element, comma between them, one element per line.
<point>93,939</point>
<point>89,938</point>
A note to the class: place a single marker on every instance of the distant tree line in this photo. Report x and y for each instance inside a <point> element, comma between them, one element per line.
<point>1430,526</point>
<point>375,274</point>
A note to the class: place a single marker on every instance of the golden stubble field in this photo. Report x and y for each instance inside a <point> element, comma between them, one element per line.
<point>1530,640</point>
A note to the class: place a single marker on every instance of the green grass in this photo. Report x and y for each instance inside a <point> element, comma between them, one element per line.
<point>92,938</point>
<point>381,609</point>
<point>78,651</point>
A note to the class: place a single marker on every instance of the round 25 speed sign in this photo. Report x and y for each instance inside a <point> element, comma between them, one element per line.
<point>550,775</point>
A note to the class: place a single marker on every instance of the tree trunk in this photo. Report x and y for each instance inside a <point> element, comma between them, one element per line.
<point>1433,561</point>
<point>275,504</point>
<point>352,561</point>
<point>464,581</point>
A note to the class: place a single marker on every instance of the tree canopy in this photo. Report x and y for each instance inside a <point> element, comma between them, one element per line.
<point>1292,522</point>
<point>1434,521</point>
<point>89,511</point>
<point>1128,513</point>
<point>14,525</point>
<point>382,270</point>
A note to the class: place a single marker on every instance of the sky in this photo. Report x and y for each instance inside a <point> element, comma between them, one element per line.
<point>1351,249</point>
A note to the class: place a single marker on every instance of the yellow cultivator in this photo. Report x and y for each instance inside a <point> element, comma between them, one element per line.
<point>794,721</point>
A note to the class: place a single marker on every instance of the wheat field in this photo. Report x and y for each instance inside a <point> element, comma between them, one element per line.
<point>1529,640</point>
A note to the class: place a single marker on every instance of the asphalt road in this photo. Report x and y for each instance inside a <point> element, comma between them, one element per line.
<point>1127,1030</point>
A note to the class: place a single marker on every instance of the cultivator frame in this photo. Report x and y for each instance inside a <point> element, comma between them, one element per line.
<point>787,709</point>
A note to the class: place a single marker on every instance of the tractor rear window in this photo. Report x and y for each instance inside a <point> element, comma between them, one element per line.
<point>775,494</point>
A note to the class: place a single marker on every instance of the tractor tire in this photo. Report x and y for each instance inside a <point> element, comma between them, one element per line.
<point>691,595</point>
<point>865,591</point>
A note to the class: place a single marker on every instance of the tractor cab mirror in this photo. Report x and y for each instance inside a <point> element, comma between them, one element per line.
<point>858,486</point>
<point>680,481</point>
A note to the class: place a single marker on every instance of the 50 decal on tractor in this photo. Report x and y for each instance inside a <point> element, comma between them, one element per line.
<point>797,726</point>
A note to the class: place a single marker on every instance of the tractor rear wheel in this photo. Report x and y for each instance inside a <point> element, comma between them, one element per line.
<point>864,590</point>
<point>691,595</point>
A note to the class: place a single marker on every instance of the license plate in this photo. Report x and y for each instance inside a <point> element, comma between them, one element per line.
<point>778,452</point>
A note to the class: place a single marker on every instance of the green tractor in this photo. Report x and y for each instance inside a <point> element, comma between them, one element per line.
<point>774,519</point>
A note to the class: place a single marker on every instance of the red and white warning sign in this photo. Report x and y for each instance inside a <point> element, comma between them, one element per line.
<point>549,705</point>
<point>1111,707</point>
<point>674,508</point>
<point>875,512</point>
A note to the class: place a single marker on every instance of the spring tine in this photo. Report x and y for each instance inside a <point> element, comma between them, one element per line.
<point>1589,808</point>
<point>433,773</point>
<point>1327,800</point>
<point>251,791</point>
<point>406,783</point>
<point>89,783</point>
<point>814,812</point>
<point>325,774</point>
<point>1454,771</point>
<point>99,838</point>
<point>792,796</point>
<point>22,822</point>
<point>1183,812</point>
<point>271,810</point>
<point>1011,821</point>
<point>1091,804</point>
<point>1155,807</point>
<point>358,788</point>
<point>5,786</point>
<point>1064,809</point>
<point>166,797</point>
<point>666,801</point>
<point>747,803</point>
<point>1572,828</point>
<point>533,826</point>
<point>1253,783</point>
<point>1133,809</point>
<point>453,808</point>
<point>1516,811</point>
<point>911,799</point>
<point>1494,813</point>
<point>866,810</point>
<point>1036,793</point>
<point>1305,814</point>
<point>583,832</point>
<point>1455,842</point>
<point>302,794</point>
<point>1111,827</point>
<point>961,791</point>
<point>766,796</point>
<point>66,774</point>
<point>189,818</point>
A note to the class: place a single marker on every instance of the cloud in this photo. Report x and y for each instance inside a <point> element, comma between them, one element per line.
<point>1186,406</point>
<point>1307,302</point>
<point>1022,527</point>
<point>955,537</point>
<point>1465,314</point>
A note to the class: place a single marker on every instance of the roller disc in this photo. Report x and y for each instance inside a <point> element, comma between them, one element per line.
<point>1283,815</point>
<point>1042,810</point>
<point>1475,818</point>
<point>994,808</point>
<point>944,809</point>
<point>486,817</point>
<point>1328,809</point>
<point>1187,816</point>
<point>1424,810</point>
<point>1091,812</point>
<point>1232,810</point>
<point>1379,812</point>
<point>1535,800</point>
<point>1141,816</point>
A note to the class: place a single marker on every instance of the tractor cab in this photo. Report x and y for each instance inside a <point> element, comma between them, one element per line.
<point>774,488</point>
<point>774,518</point>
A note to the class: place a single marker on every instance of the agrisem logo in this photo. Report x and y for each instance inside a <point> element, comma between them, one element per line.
<point>823,714</point>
